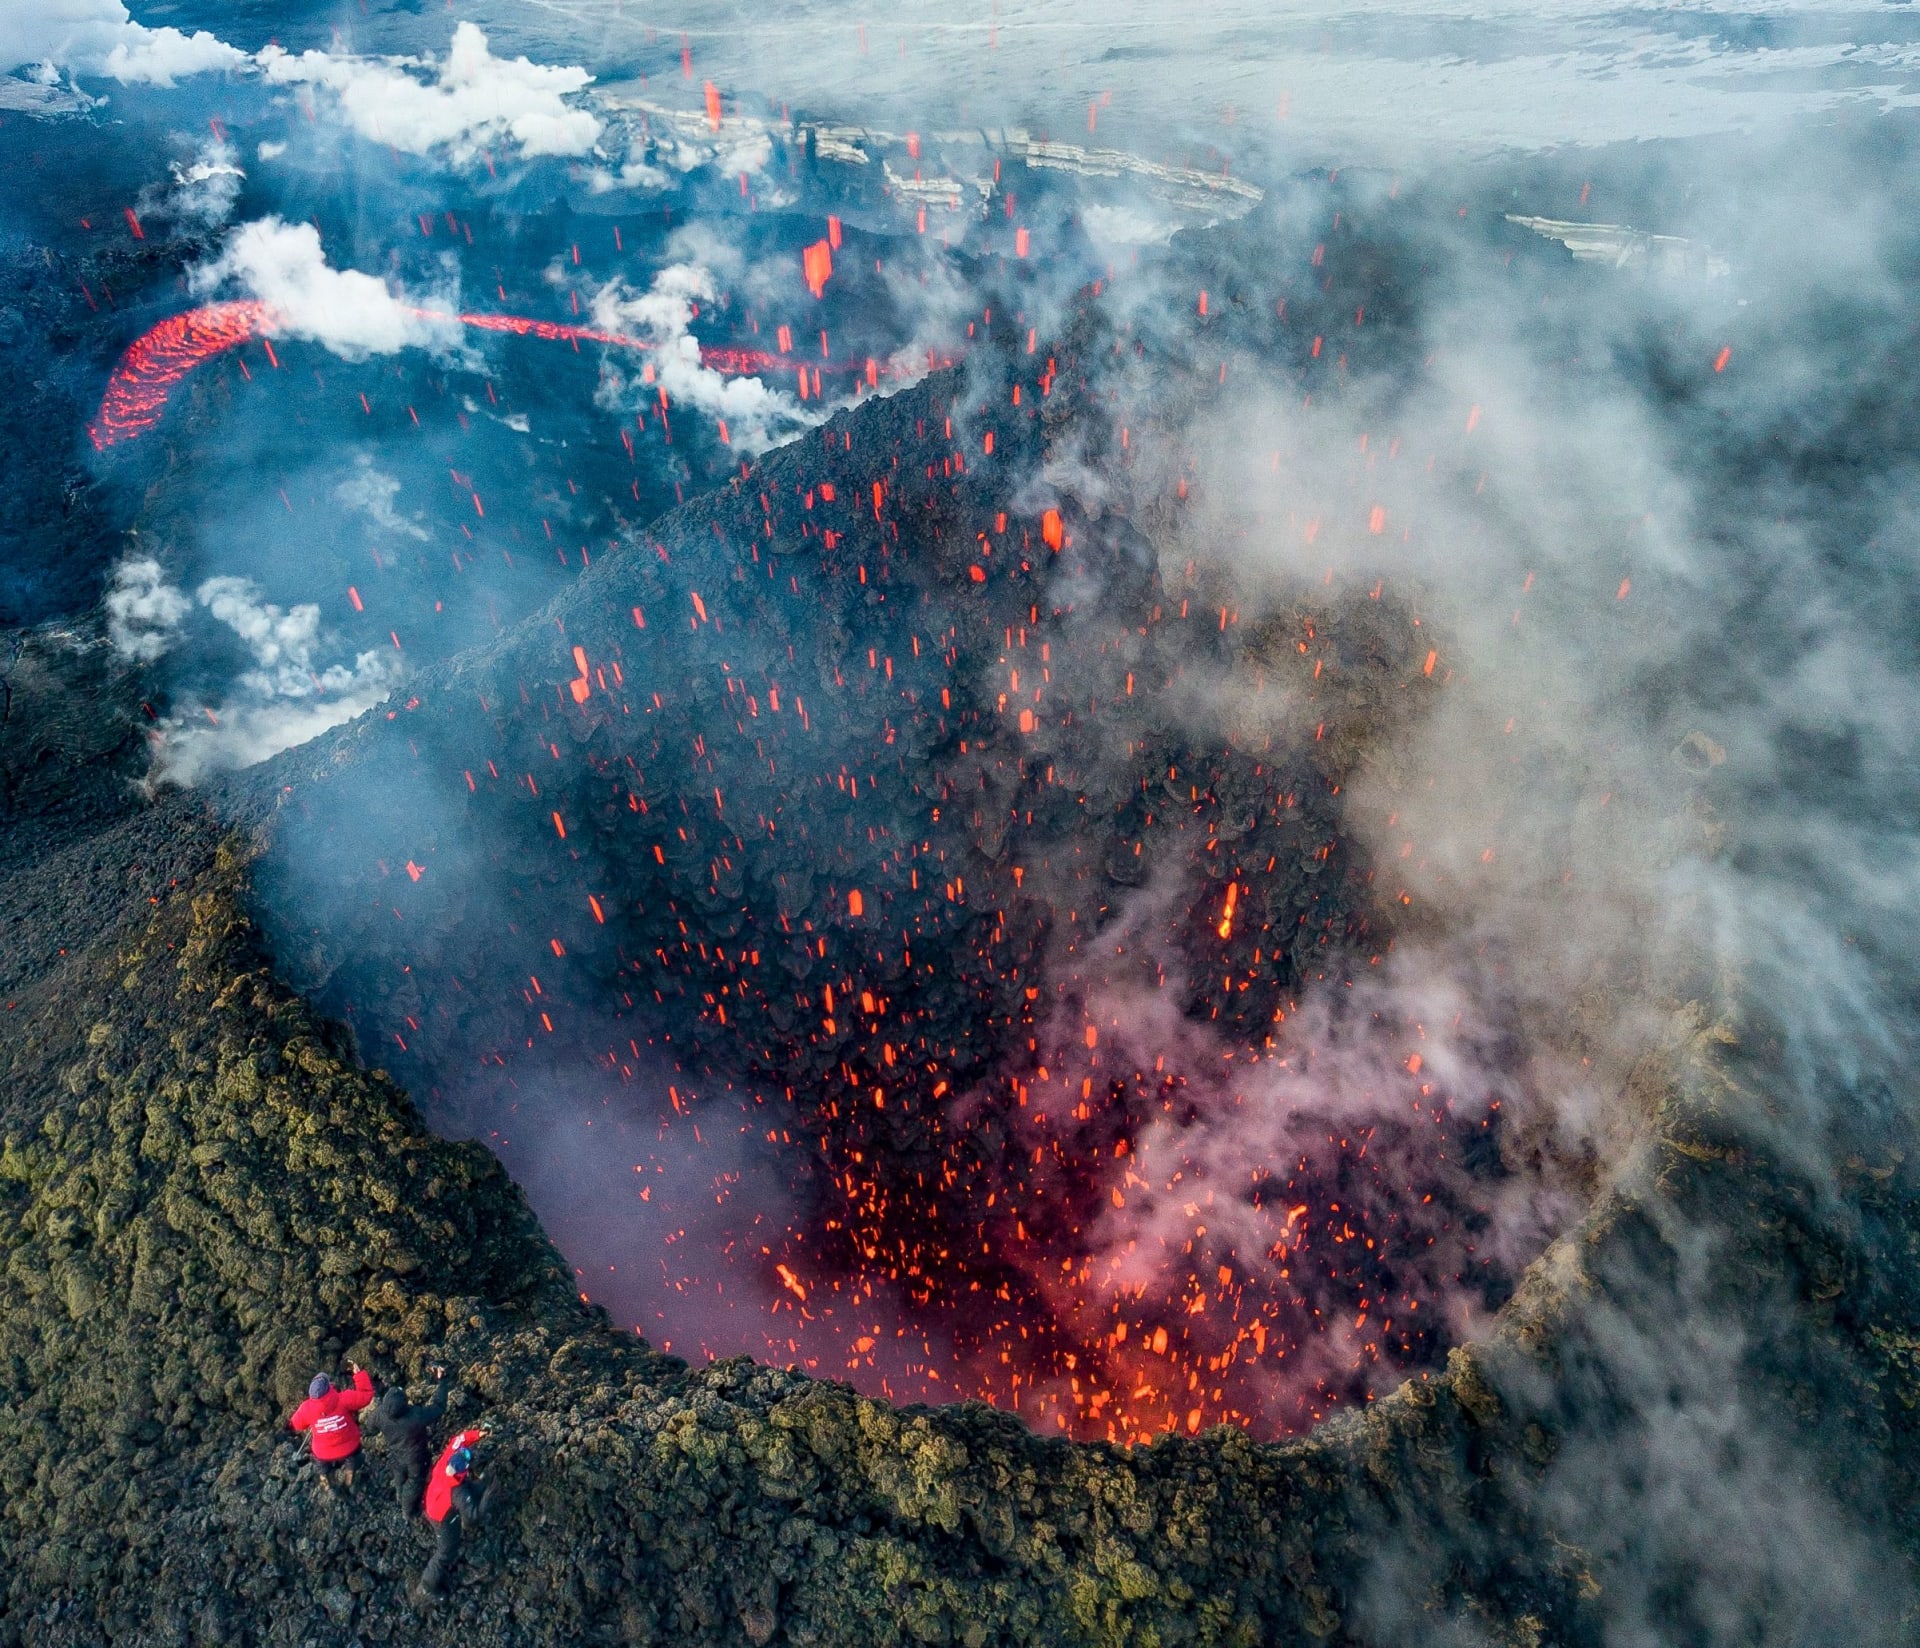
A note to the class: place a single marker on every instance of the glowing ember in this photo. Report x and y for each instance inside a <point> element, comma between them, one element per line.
<point>817,264</point>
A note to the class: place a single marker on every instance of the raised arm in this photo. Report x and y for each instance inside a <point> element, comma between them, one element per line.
<point>362,1392</point>
<point>435,1410</point>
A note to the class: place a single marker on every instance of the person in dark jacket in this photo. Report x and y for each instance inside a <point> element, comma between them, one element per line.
<point>454,1503</point>
<point>327,1416</point>
<point>404,1429</point>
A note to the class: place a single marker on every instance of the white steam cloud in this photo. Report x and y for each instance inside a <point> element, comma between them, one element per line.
<point>143,610</point>
<point>352,314</point>
<point>282,643</point>
<point>243,735</point>
<point>470,100</point>
<point>159,57</point>
<point>206,189</point>
<point>202,192</point>
<point>754,415</point>
<point>291,694</point>
<point>371,491</point>
<point>99,37</point>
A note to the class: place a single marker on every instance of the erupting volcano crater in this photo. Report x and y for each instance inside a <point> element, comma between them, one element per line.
<point>905,893</point>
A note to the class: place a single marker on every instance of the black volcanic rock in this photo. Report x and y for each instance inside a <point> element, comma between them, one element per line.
<point>82,849</point>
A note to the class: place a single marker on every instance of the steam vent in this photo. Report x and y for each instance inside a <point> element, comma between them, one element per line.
<point>1042,829</point>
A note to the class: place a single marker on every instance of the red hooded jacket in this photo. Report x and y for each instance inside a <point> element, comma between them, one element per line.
<point>441,1484</point>
<point>336,1433</point>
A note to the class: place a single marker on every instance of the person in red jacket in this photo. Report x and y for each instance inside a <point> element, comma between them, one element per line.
<point>327,1416</point>
<point>452,1502</point>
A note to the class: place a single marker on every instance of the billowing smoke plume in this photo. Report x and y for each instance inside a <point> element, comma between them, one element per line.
<point>372,491</point>
<point>206,188</point>
<point>1665,789</point>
